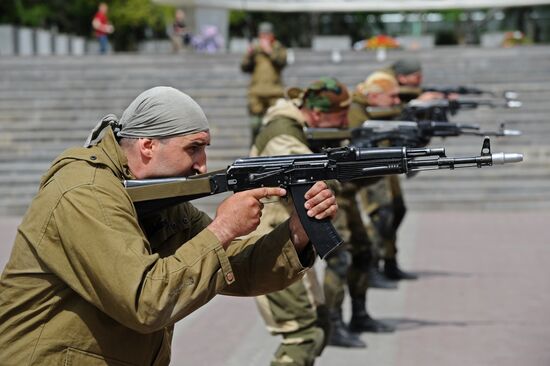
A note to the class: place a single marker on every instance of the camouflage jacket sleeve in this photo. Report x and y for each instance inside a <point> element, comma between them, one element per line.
<point>261,264</point>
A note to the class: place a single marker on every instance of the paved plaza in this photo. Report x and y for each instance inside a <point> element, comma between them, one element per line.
<point>482,299</point>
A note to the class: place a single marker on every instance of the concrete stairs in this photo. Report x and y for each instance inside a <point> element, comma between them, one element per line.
<point>50,103</point>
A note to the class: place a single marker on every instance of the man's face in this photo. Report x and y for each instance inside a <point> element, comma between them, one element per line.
<point>414,79</point>
<point>330,120</point>
<point>180,156</point>
<point>266,37</point>
<point>386,99</point>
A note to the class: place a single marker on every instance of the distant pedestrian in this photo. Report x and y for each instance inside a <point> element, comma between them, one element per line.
<point>102,27</point>
<point>179,33</point>
<point>209,40</point>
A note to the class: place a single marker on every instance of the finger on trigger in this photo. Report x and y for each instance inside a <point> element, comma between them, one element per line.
<point>264,192</point>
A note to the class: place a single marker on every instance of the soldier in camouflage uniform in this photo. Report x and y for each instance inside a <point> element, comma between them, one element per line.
<point>265,60</point>
<point>297,312</point>
<point>358,272</point>
<point>382,202</point>
<point>408,73</point>
<point>354,271</point>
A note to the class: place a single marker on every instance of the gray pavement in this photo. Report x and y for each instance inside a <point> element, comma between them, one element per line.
<point>482,299</point>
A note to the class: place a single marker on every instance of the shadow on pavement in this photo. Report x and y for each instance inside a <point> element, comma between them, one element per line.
<point>427,274</point>
<point>403,324</point>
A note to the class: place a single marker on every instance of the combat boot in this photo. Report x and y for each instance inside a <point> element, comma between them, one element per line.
<point>340,336</point>
<point>393,272</point>
<point>362,322</point>
<point>378,280</point>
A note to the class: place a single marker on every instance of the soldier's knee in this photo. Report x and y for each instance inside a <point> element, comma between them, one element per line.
<point>300,348</point>
<point>339,262</point>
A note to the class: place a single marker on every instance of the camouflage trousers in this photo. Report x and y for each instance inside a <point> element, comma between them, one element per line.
<point>383,203</point>
<point>292,313</point>
<point>349,264</point>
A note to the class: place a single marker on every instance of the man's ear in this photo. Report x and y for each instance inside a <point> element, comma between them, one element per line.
<point>372,98</point>
<point>316,116</point>
<point>146,147</point>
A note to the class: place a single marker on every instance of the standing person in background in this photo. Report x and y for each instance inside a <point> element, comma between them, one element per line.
<point>179,34</point>
<point>209,40</point>
<point>102,27</point>
<point>265,60</point>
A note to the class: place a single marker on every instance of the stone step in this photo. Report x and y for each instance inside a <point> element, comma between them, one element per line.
<point>215,101</point>
<point>48,104</point>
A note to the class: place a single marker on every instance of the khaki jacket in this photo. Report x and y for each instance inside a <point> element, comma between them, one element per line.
<point>266,70</point>
<point>281,134</point>
<point>89,284</point>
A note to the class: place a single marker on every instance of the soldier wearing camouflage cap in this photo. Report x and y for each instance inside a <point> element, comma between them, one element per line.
<point>382,201</point>
<point>408,73</point>
<point>298,313</point>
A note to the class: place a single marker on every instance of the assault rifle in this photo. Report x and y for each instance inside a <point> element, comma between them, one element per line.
<point>468,90</point>
<point>463,90</point>
<point>397,133</point>
<point>440,109</point>
<point>297,173</point>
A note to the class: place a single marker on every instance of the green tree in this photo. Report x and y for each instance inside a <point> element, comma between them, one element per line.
<point>131,18</point>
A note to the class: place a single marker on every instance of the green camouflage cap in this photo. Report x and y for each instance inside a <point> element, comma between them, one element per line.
<point>326,95</point>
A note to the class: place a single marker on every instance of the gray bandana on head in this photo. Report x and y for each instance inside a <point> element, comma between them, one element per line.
<point>158,112</point>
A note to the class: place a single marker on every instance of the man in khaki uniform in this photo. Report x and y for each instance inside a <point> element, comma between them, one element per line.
<point>265,60</point>
<point>382,201</point>
<point>91,283</point>
<point>295,312</point>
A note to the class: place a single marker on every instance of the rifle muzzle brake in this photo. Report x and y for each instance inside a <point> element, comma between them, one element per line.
<point>506,158</point>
